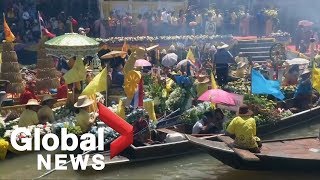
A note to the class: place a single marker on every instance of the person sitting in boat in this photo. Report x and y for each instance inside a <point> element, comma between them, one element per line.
<point>220,119</point>
<point>29,116</point>
<point>141,131</point>
<point>205,125</point>
<point>303,94</point>
<point>29,92</point>
<point>45,113</point>
<point>243,129</point>
<point>291,77</point>
<point>241,71</point>
<point>83,118</point>
<point>62,91</point>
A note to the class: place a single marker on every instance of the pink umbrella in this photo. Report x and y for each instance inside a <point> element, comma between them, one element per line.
<point>142,63</point>
<point>217,96</point>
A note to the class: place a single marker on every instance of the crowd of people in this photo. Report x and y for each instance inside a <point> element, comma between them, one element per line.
<point>23,19</point>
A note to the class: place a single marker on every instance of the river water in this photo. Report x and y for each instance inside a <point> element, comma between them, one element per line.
<point>192,166</point>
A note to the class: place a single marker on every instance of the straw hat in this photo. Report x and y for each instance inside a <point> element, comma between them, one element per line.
<point>241,64</point>
<point>163,51</point>
<point>83,101</point>
<point>202,79</point>
<point>222,45</point>
<point>47,98</point>
<point>256,65</point>
<point>32,102</point>
<point>172,48</point>
<point>245,111</point>
<point>305,72</point>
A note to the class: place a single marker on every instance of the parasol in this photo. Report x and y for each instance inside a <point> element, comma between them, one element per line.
<point>149,48</point>
<point>72,44</point>
<point>113,54</point>
<point>142,63</point>
<point>305,23</point>
<point>217,96</point>
<point>169,60</point>
<point>184,63</point>
<point>299,61</point>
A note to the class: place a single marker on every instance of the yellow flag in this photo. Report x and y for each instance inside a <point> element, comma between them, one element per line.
<point>149,107</point>
<point>130,63</point>
<point>98,84</point>
<point>213,82</point>
<point>316,78</point>
<point>121,108</point>
<point>77,73</point>
<point>9,36</point>
<point>190,56</point>
<point>125,48</point>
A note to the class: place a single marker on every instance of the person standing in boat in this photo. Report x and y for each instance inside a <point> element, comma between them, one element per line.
<point>243,129</point>
<point>303,94</point>
<point>45,113</point>
<point>29,116</point>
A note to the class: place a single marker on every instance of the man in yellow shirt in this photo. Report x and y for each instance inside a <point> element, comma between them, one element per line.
<point>45,113</point>
<point>243,128</point>
<point>83,118</point>
<point>29,115</point>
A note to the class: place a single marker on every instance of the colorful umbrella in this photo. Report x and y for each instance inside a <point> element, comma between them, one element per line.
<point>184,63</point>
<point>72,44</point>
<point>169,60</point>
<point>142,63</point>
<point>217,96</point>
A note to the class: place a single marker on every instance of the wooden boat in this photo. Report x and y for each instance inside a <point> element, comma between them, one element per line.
<point>151,152</point>
<point>264,130</point>
<point>299,154</point>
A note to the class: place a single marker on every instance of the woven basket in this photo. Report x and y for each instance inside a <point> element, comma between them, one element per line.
<point>7,46</point>
<point>47,73</point>
<point>15,88</point>
<point>10,67</point>
<point>13,77</point>
<point>9,56</point>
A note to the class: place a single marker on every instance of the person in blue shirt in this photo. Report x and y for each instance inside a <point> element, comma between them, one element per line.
<point>117,76</point>
<point>303,93</point>
<point>222,59</point>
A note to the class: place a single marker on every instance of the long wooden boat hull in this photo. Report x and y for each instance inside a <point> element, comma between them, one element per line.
<point>279,155</point>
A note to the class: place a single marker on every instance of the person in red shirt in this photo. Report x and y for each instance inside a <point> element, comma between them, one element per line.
<point>62,90</point>
<point>28,93</point>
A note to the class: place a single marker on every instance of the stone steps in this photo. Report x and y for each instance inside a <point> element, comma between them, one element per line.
<point>258,50</point>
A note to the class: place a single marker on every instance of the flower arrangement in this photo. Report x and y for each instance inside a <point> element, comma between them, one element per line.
<point>272,13</point>
<point>191,116</point>
<point>150,39</point>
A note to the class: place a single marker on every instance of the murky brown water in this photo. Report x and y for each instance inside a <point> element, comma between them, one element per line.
<point>194,166</point>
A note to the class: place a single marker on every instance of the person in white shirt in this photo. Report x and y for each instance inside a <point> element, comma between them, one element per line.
<point>205,125</point>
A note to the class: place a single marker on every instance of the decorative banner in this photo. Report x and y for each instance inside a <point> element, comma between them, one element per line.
<point>119,125</point>
<point>238,99</point>
<point>131,81</point>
